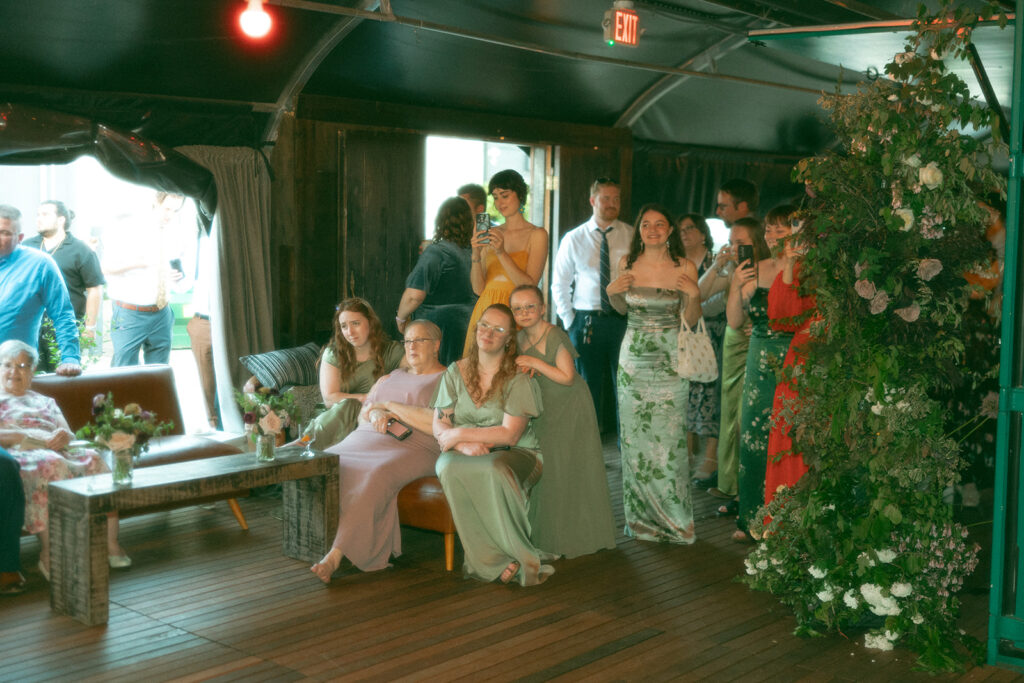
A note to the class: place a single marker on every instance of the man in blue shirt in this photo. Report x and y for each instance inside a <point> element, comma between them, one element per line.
<point>30,283</point>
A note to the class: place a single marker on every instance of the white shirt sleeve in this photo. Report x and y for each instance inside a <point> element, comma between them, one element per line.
<point>562,277</point>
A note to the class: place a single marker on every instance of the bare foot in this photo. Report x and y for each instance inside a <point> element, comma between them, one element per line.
<point>327,566</point>
<point>509,572</point>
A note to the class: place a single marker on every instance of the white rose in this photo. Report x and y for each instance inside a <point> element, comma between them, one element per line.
<point>930,176</point>
<point>901,590</point>
<point>850,599</point>
<point>826,595</point>
<point>917,619</point>
<point>816,573</point>
<point>907,216</point>
<point>119,441</point>
<point>891,636</point>
<point>886,555</point>
<point>874,641</point>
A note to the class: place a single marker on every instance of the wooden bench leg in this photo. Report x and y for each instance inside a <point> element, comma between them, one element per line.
<point>449,552</point>
<point>237,512</point>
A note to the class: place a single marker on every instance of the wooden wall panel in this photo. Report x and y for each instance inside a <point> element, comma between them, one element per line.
<point>576,168</point>
<point>382,189</point>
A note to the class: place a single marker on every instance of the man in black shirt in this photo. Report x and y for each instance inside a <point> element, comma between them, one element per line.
<point>77,262</point>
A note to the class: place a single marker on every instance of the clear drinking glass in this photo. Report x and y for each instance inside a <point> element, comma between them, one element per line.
<point>307,439</point>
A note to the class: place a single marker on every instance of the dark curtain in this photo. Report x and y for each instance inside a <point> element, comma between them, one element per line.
<point>686,179</point>
<point>32,135</point>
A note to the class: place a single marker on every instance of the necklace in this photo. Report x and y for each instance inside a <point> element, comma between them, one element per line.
<point>533,344</point>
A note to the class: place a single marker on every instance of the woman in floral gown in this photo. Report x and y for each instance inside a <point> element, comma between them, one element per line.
<point>748,302</point>
<point>35,432</point>
<point>654,285</point>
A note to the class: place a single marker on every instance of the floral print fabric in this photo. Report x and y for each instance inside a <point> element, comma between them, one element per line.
<point>39,415</point>
<point>652,403</point>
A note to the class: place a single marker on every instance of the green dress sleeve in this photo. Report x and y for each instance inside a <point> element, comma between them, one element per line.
<point>522,397</point>
<point>328,357</point>
<point>557,338</point>
<point>447,392</point>
<point>394,352</point>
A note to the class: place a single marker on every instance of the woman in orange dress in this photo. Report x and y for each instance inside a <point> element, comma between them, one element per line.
<point>507,255</point>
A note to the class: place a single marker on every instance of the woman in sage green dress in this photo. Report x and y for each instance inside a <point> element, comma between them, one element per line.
<point>490,455</point>
<point>655,285</point>
<point>749,232</point>
<point>570,507</point>
<point>357,356</point>
<point>748,301</point>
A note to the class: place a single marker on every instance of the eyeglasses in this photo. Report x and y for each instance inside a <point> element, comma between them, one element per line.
<point>420,340</point>
<point>7,365</point>
<point>525,308</point>
<point>485,327</point>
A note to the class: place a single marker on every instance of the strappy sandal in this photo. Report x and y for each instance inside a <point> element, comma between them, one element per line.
<point>509,572</point>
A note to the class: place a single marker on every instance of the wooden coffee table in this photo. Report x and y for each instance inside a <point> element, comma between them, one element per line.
<point>79,574</point>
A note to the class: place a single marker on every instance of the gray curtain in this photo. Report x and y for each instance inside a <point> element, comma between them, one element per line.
<point>241,318</point>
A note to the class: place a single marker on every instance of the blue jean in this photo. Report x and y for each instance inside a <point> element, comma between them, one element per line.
<point>131,331</point>
<point>12,513</point>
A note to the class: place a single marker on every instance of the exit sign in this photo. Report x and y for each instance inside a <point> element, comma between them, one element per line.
<point>621,27</point>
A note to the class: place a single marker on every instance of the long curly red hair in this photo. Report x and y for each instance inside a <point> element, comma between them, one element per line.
<point>469,366</point>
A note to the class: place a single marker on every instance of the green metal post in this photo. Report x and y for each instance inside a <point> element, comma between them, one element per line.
<point>1006,600</point>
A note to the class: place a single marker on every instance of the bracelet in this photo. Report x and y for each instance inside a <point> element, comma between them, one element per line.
<point>400,320</point>
<point>476,260</point>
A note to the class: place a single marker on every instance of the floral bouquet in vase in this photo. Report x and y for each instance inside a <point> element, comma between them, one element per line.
<point>125,431</point>
<point>267,413</point>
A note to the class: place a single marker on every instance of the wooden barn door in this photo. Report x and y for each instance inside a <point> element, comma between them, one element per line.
<point>381,187</point>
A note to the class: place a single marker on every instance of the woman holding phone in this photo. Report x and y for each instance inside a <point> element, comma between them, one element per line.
<point>507,255</point>
<point>748,301</point>
<point>391,447</point>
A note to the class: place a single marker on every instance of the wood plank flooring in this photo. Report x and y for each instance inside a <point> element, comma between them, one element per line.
<point>207,601</point>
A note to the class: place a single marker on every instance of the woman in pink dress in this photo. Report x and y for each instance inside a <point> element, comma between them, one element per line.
<point>375,461</point>
<point>34,431</point>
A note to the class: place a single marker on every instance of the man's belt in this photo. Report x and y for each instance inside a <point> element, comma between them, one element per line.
<point>141,309</point>
<point>599,313</point>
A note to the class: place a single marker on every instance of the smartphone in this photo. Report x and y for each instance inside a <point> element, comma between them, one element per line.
<point>483,224</point>
<point>398,429</point>
<point>176,265</point>
<point>745,252</point>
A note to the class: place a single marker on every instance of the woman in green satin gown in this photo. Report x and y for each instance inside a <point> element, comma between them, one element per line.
<point>748,303</point>
<point>570,507</point>
<point>655,286</point>
<point>357,356</point>
<point>490,456</point>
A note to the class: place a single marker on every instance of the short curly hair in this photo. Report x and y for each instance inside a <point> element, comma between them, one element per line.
<point>509,180</point>
<point>454,222</point>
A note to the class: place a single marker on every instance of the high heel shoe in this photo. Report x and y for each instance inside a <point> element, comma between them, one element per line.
<point>119,561</point>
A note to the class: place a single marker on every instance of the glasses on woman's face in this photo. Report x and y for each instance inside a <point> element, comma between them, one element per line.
<point>417,341</point>
<point>485,327</point>
<point>525,308</point>
<point>8,365</point>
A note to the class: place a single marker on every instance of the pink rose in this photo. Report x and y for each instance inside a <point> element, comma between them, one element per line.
<point>909,313</point>
<point>270,423</point>
<point>866,288</point>
<point>928,268</point>
<point>119,441</point>
<point>879,302</point>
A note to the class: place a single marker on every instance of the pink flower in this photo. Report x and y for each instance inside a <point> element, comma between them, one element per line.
<point>119,441</point>
<point>270,423</point>
<point>879,302</point>
<point>859,268</point>
<point>865,288</point>
<point>909,313</point>
<point>928,268</point>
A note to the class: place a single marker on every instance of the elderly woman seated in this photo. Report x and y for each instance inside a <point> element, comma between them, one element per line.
<point>391,447</point>
<point>35,432</point>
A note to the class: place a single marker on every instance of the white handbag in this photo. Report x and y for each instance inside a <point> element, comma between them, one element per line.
<point>696,356</point>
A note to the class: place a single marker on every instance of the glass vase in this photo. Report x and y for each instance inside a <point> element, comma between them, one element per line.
<point>122,467</point>
<point>265,447</point>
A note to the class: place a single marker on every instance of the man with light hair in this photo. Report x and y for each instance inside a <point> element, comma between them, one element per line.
<point>582,271</point>
<point>31,284</point>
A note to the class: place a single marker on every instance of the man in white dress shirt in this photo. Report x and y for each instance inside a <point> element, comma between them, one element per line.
<point>586,256</point>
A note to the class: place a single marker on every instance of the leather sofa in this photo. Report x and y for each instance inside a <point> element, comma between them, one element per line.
<point>153,388</point>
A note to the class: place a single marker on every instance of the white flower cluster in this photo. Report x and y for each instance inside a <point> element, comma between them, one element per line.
<point>880,641</point>
<point>887,400</point>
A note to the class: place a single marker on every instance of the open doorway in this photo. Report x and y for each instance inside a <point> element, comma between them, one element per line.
<point>103,208</point>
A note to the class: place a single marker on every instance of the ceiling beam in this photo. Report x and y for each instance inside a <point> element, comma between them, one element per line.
<point>703,60</point>
<point>311,62</point>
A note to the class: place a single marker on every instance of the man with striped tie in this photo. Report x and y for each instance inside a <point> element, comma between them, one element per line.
<point>582,271</point>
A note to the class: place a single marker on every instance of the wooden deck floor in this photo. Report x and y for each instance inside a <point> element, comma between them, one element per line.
<point>206,601</point>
